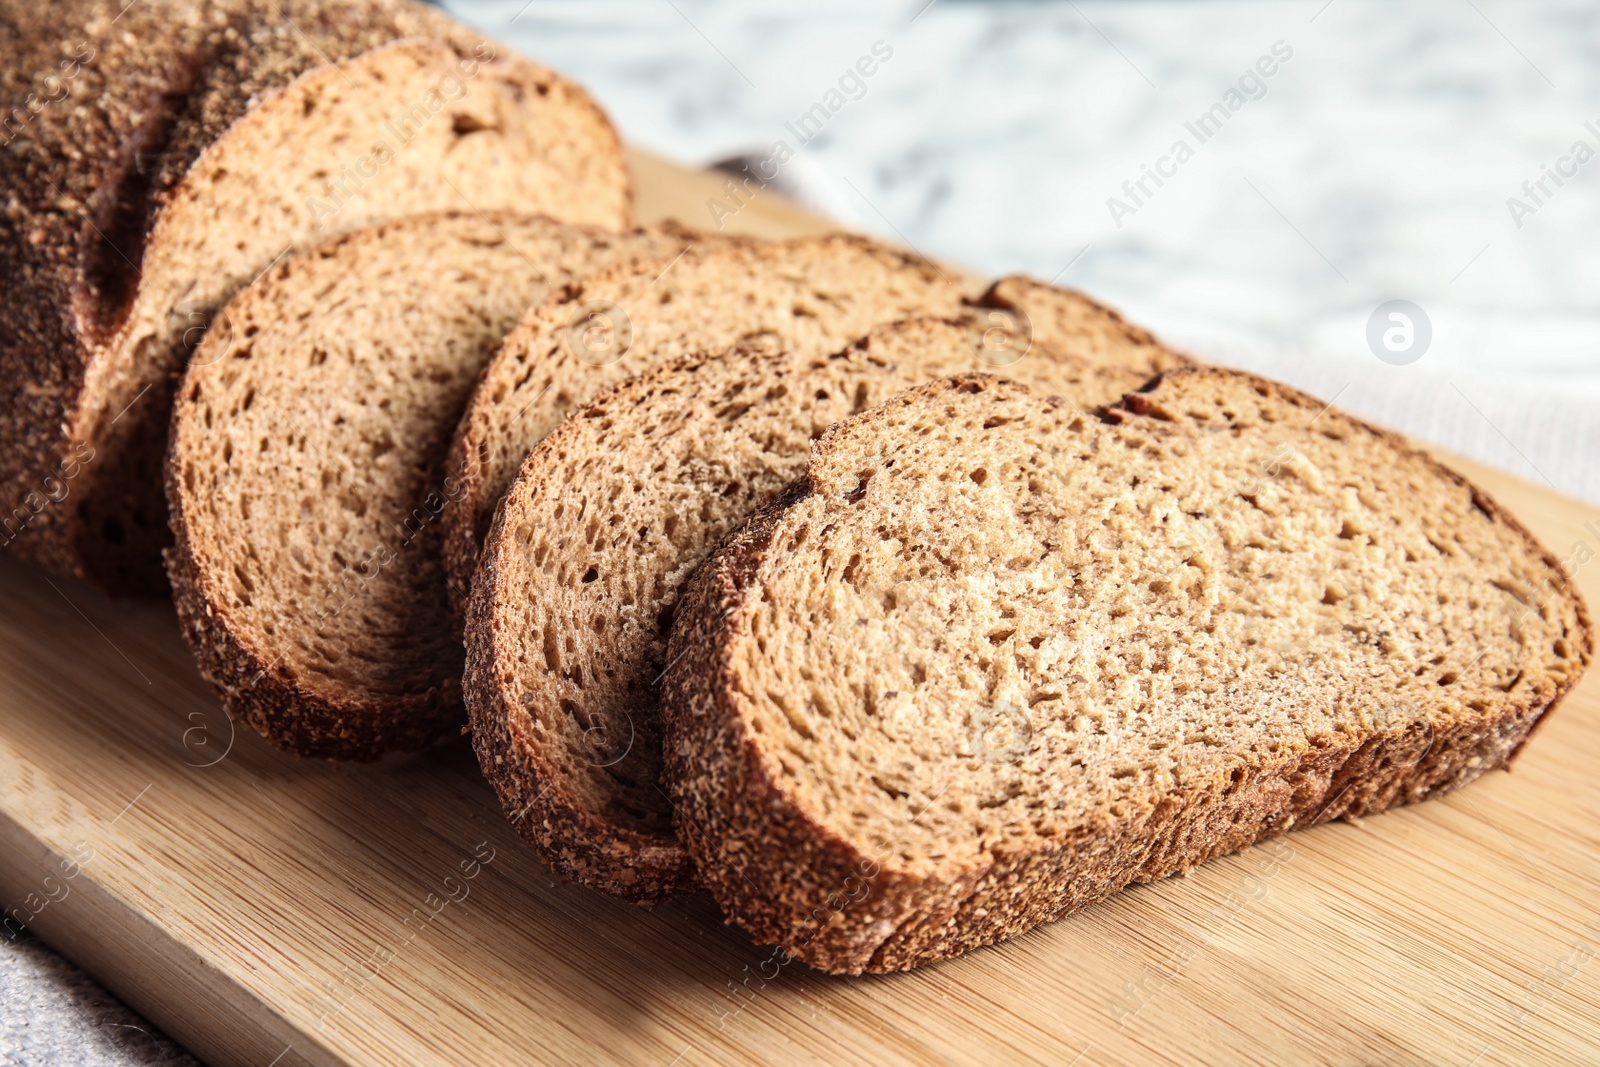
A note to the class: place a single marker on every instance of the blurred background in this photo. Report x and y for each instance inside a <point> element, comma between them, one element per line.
<point>1395,151</point>
<point>1374,163</point>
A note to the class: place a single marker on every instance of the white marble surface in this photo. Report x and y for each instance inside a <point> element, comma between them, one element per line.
<point>1376,165</point>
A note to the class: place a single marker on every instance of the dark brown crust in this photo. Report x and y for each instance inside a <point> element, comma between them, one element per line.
<point>464,517</point>
<point>310,722</point>
<point>166,80</point>
<point>250,684</point>
<point>52,202</point>
<point>639,868</point>
<point>791,881</point>
<point>270,701</point>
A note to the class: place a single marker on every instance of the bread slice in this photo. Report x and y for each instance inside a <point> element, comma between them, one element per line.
<point>608,518</point>
<point>307,471</point>
<point>991,660</point>
<point>189,144</point>
<point>810,296</point>
<point>1018,310</point>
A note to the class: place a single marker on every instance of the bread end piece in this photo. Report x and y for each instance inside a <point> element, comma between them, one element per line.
<point>140,205</point>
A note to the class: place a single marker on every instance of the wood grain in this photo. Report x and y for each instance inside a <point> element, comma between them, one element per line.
<point>268,911</point>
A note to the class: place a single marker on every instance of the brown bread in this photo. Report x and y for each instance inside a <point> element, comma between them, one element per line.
<point>810,295</point>
<point>609,516</point>
<point>307,471</point>
<point>991,660</point>
<point>159,155</point>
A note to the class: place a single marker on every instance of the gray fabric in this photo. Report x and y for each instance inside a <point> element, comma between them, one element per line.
<point>52,1013</point>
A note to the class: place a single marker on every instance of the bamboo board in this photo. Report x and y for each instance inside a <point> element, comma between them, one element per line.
<point>272,912</point>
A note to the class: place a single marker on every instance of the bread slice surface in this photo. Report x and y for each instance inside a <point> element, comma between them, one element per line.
<point>200,141</point>
<point>608,518</point>
<point>991,660</point>
<point>307,472</point>
<point>810,296</point>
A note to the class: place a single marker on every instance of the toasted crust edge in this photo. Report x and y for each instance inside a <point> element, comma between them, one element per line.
<point>789,882</point>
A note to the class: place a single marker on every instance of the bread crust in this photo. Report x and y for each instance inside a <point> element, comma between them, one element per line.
<point>788,879</point>
<point>88,179</point>
<point>467,518</point>
<point>611,859</point>
<point>309,716</point>
<point>611,828</point>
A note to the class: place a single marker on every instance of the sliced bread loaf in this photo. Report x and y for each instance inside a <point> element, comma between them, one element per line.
<point>307,473</point>
<point>810,296</point>
<point>991,660</point>
<point>608,518</point>
<point>194,143</point>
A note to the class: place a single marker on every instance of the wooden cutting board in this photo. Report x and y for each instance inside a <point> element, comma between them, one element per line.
<point>272,912</point>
